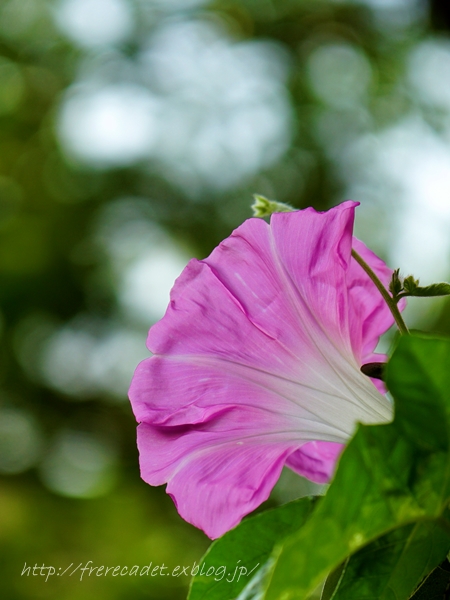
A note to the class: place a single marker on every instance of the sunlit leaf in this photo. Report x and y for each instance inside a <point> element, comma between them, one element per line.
<point>245,550</point>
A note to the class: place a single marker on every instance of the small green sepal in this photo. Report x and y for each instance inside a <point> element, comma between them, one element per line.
<point>263,207</point>
<point>395,285</point>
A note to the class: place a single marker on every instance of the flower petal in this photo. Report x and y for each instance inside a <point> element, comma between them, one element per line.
<point>315,460</point>
<point>256,364</point>
<point>199,389</point>
<point>213,481</point>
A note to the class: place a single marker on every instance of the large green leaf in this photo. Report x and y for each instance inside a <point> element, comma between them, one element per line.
<point>392,566</point>
<point>436,586</point>
<point>245,550</point>
<point>389,476</point>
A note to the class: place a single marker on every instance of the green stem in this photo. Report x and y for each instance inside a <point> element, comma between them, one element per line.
<point>383,291</point>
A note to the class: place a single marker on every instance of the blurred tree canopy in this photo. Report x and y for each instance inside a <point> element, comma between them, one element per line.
<point>133,134</point>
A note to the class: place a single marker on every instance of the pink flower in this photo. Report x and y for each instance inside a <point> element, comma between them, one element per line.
<point>256,365</point>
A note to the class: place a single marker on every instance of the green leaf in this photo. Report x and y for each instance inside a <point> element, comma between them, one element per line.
<point>245,550</point>
<point>390,476</point>
<point>436,289</point>
<point>333,581</point>
<point>392,566</point>
<point>263,207</point>
<point>419,378</point>
<point>436,586</point>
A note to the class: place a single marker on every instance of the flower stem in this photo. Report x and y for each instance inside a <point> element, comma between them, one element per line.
<point>383,291</point>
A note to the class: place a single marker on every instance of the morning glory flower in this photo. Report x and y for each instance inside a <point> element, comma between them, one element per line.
<point>256,365</point>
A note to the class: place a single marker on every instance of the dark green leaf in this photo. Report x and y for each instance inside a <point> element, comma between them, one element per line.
<point>373,369</point>
<point>392,566</point>
<point>333,581</point>
<point>436,586</point>
<point>436,289</point>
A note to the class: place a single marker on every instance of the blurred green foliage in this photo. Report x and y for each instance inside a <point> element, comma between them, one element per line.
<point>66,254</point>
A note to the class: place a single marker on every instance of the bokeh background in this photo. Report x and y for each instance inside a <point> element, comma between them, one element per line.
<point>133,134</point>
